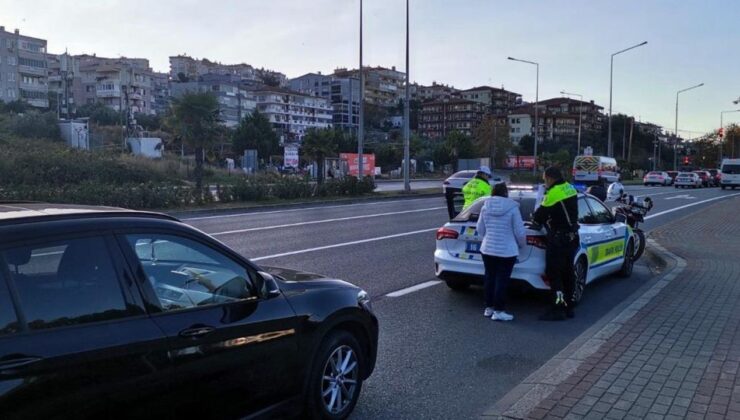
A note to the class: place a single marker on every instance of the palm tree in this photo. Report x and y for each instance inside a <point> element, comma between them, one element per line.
<point>319,144</point>
<point>195,119</point>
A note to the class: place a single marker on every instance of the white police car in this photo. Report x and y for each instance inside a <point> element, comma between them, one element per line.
<point>606,246</point>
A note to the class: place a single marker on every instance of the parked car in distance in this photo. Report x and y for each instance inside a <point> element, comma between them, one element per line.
<point>455,182</point>
<point>715,175</point>
<point>706,178</point>
<point>110,313</point>
<point>687,180</point>
<point>657,178</point>
<point>730,173</point>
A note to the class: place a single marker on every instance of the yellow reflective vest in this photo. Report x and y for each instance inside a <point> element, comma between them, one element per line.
<point>475,189</point>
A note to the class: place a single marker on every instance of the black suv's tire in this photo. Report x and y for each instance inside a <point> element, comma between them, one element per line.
<point>457,284</point>
<point>348,384</point>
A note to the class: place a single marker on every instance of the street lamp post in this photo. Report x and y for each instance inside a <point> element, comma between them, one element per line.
<point>721,125</point>
<point>536,106</point>
<point>406,119</point>
<point>675,144</point>
<point>610,146</point>
<point>580,117</point>
<point>361,128</point>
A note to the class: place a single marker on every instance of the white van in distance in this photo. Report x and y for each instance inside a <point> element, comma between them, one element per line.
<point>595,169</point>
<point>730,171</point>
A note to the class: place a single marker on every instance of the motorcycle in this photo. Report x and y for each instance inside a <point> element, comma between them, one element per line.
<point>633,213</point>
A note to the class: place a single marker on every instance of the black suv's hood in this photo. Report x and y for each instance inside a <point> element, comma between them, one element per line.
<point>305,278</point>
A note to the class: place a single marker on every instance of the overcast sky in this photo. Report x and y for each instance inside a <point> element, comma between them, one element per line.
<point>462,42</point>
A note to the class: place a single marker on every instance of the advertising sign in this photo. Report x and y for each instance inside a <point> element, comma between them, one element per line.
<point>368,163</point>
<point>520,162</point>
<point>290,159</point>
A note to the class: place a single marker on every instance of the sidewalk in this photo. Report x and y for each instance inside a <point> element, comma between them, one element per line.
<point>673,352</point>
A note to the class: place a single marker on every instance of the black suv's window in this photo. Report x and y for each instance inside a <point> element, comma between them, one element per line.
<point>65,282</point>
<point>186,274</point>
<point>8,321</point>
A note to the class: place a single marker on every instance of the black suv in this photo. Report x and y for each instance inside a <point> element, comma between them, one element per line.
<point>106,312</point>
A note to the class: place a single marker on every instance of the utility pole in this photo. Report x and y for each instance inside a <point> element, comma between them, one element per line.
<point>632,128</point>
<point>624,138</point>
<point>406,112</point>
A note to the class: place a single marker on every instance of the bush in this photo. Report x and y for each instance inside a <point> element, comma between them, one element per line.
<point>35,125</point>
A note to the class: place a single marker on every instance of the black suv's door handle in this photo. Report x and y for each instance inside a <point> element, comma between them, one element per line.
<point>18,362</point>
<point>196,332</point>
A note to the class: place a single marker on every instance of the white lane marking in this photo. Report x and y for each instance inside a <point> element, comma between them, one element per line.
<point>413,289</point>
<point>339,245</point>
<point>315,222</point>
<point>690,205</point>
<point>681,197</point>
<point>255,211</point>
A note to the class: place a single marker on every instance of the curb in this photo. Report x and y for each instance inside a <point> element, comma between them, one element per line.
<point>256,208</point>
<point>526,396</point>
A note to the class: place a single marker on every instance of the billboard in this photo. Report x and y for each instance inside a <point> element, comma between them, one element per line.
<point>520,162</point>
<point>290,159</point>
<point>368,163</point>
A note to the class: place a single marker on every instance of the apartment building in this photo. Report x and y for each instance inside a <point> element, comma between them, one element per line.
<point>234,101</point>
<point>23,69</point>
<point>293,113</point>
<point>186,68</point>
<point>434,92</point>
<point>439,118</point>
<point>498,100</point>
<point>160,92</point>
<point>558,119</point>
<point>123,84</point>
<point>342,93</point>
<point>383,86</point>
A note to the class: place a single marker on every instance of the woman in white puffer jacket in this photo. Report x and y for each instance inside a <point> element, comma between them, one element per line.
<point>501,226</point>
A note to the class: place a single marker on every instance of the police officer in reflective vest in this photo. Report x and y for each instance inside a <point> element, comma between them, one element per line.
<point>477,187</point>
<point>559,212</point>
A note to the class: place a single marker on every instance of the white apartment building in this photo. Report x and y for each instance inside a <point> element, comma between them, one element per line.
<point>520,125</point>
<point>292,113</point>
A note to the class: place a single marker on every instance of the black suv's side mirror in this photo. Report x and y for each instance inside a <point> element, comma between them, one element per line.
<point>267,286</point>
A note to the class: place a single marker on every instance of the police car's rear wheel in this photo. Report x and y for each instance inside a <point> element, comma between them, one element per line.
<point>580,286</point>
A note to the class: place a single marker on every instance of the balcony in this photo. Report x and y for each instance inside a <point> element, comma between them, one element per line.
<point>32,71</point>
<point>108,93</point>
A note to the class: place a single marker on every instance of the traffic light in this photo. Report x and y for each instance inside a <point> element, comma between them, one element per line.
<point>686,160</point>
<point>721,132</point>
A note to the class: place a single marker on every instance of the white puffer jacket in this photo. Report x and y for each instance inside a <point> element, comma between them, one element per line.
<point>501,227</point>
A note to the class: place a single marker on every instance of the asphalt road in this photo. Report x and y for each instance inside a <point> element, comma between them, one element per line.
<point>438,357</point>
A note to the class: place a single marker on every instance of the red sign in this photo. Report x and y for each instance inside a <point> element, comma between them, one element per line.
<point>520,162</point>
<point>368,163</point>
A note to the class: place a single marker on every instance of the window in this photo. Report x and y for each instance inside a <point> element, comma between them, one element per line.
<point>65,283</point>
<point>584,212</point>
<point>11,77</point>
<point>8,321</point>
<point>186,274</point>
<point>600,212</point>
<point>12,61</point>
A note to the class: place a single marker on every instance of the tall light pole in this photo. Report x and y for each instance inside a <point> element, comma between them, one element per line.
<point>610,146</point>
<point>580,117</point>
<point>675,144</point>
<point>721,126</point>
<point>406,119</point>
<point>536,106</point>
<point>361,128</point>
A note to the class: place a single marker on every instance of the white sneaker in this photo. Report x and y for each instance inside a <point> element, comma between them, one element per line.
<point>488,312</point>
<point>502,316</point>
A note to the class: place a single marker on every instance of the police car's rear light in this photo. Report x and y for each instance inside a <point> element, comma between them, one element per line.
<point>446,233</point>
<point>537,241</point>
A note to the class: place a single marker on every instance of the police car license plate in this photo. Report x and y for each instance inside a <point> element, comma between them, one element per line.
<point>473,247</point>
